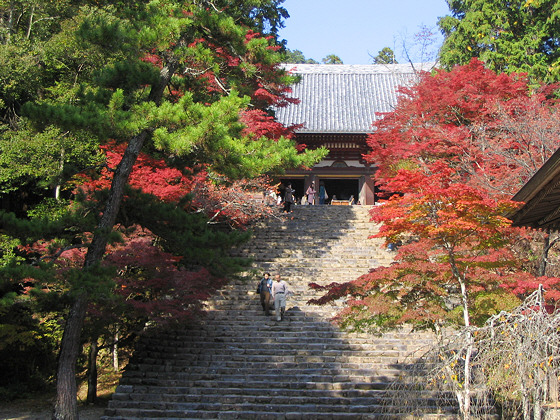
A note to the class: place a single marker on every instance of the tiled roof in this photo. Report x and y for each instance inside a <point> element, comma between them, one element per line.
<point>541,195</point>
<point>339,98</point>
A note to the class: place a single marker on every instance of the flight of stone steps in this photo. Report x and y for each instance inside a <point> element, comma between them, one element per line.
<point>237,363</point>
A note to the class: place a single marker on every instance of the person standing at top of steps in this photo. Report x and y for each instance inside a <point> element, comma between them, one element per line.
<point>279,293</point>
<point>311,194</point>
<point>323,196</point>
<point>265,288</point>
<point>289,198</point>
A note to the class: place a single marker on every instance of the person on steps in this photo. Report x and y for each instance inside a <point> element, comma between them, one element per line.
<point>289,199</point>
<point>311,194</point>
<point>265,288</point>
<point>279,293</point>
<point>323,196</point>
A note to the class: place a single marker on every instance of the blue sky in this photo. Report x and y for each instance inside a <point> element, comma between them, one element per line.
<point>353,28</point>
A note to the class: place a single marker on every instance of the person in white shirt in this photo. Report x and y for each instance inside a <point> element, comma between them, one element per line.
<point>279,292</point>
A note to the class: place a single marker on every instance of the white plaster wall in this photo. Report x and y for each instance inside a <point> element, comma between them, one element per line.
<point>328,163</point>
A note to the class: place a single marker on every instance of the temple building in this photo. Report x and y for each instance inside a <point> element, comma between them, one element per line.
<point>338,105</point>
<point>541,198</point>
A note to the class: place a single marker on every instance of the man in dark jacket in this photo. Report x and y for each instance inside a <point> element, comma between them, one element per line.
<point>289,198</point>
<point>265,288</point>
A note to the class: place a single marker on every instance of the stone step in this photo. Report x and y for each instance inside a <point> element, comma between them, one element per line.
<point>376,401</point>
<point>307,361</point>
<point>229,367</point>
<point>265,408</point>
<point>155,393</point>
<point>345,364</point>
<point>263,413</point>
<point>165,378</point>
<point>139,385</point>
<point>332,406</point>
<point>267,415</point>
<point>269,340</point>
<point>158,393</point>
<point>282,347</point>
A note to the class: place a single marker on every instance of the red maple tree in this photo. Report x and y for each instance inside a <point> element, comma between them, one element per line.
<point>453,151</point>
<point>444,150</point>
<point>233,202</point>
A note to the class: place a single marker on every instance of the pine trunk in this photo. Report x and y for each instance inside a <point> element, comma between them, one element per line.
<point>66,407</point>
<point>92,372</point>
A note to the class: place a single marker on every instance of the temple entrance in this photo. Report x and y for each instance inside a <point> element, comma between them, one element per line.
<point>297,184</point>
<point>343,189</point>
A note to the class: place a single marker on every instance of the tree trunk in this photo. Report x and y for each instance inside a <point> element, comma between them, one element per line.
<point>537,409</point>
<point>468,355</point>
<point>544,257</point>
<point>467,385</point>
<point>465,392</point>
<point>31,16</point>
<point>552,388</point>
<point>66,407</point>
<point>92,372</point>
<point>526,403</point>
<point>59,177</point>
<point>10,23</point>
<point>548,243</point>
<point>115,348</point>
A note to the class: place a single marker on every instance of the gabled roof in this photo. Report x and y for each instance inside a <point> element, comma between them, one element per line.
<point>541,195</point>
<point>339,98</point>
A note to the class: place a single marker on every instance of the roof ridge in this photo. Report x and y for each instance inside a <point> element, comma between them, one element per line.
<point>356,68</point>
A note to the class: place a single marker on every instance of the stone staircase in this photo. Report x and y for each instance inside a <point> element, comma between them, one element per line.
<point>237,363</point>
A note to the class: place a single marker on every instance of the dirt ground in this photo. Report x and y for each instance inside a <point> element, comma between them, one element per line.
<point>39,408</point>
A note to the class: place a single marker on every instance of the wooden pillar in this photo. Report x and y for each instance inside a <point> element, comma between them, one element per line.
<point>367,190</point>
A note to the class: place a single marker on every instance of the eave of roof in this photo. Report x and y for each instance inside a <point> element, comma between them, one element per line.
<point>541,197</point>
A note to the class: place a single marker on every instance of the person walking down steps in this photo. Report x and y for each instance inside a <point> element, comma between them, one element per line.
<point>265,290</point>
<point>279,292</point>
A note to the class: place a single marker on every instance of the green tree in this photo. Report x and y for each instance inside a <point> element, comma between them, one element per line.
<point>385,56</point>
<point>512,36</point>
<point>265,16</point>
<point>43,163</point>
<point>38,162</point>
<point>332,59</point>
<point>23,20</point>
<point>297,57</point>
<point>170,78</point>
